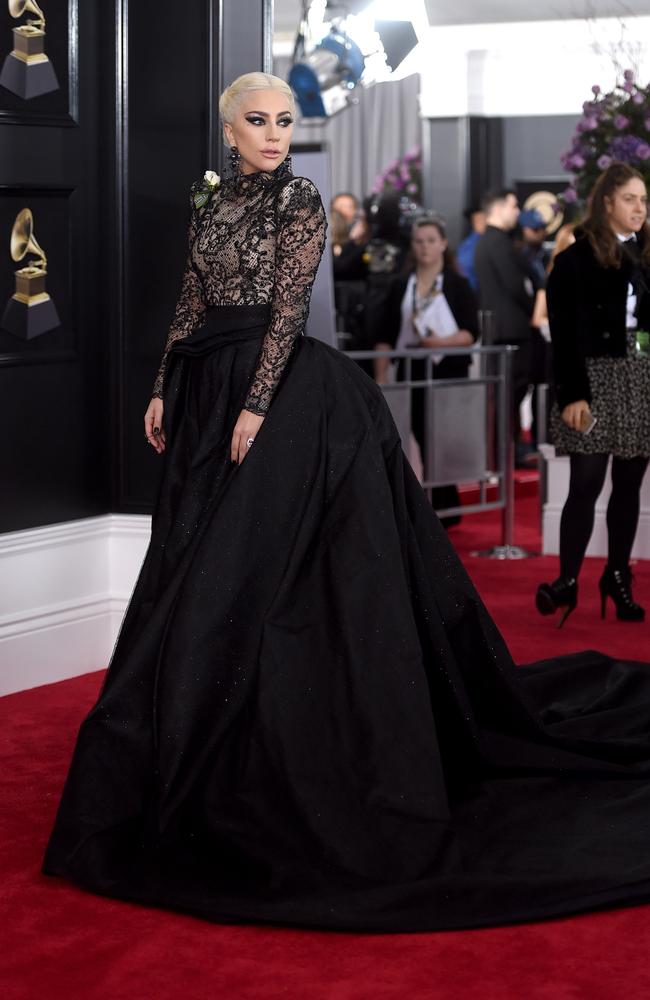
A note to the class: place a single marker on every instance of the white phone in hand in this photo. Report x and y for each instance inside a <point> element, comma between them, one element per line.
<point>587,422</point>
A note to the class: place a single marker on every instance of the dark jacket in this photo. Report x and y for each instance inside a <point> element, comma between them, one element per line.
<point>587,315</point>
<point>351,264</point>
<point>501,275</point>
<point>464,307</point>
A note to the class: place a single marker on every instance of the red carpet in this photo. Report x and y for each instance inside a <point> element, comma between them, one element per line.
<point>58,942</point>
<point>508,589</point>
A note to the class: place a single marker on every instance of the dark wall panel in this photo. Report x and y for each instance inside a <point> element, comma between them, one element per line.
<point>532,146</point>
<point>53,448</point>
<point>169,136</point>
<point>446,158</point>
<point>133,124</point>
<point>463,157</point>
<point>165,149</point>
<point>485,156</point>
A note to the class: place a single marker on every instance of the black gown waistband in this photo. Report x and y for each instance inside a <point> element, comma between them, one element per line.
<point>224,325</point>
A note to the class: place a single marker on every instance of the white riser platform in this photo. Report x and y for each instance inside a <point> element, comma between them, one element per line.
<point>557,490</point>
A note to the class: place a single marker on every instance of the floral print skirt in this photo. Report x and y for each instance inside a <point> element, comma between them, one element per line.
<point>620,401</point>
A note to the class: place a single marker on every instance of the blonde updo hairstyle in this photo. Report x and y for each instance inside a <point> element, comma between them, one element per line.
<point>232,96</point>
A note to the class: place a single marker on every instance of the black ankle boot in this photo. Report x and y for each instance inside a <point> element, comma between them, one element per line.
<point>617,584</point>
<point>562,593</point>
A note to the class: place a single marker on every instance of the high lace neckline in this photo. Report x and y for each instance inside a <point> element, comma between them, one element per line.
<point>261,178</point>
<point>257,244</point>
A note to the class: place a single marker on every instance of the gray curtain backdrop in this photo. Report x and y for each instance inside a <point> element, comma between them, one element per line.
<point>364,138</point>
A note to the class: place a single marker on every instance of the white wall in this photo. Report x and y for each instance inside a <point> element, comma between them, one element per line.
<point>63,591</point>
<point>527,68</point>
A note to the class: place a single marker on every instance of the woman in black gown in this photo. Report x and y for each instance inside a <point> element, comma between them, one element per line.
<point>309,716</point>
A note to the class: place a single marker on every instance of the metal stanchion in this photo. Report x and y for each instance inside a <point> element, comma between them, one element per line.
<point>541,413</point>
<point>542,408</point>
<point>506,446</point>
<point>498,463</point>
<point>488,366</point>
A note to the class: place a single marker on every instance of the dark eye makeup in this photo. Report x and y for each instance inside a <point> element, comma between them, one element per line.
<point>258,120</point>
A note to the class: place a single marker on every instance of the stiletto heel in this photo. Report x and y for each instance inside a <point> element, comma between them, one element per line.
<point>562,593</point>
<point>617,584</point>
<point>565,614</point>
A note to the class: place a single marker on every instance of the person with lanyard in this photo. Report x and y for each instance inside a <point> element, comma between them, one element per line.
<point>599,314</point>
<point>432,306</point>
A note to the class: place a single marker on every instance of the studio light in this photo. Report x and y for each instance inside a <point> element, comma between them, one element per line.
<point>324,79</point>
<point>340,46</point>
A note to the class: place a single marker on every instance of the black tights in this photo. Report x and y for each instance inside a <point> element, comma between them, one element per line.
<point>587,478</point>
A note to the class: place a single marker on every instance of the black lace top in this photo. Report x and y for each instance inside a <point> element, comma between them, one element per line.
<point>258,240</point>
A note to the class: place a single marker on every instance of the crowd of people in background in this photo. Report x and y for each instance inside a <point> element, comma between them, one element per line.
<point>498,273</point>
<point>577,309</point>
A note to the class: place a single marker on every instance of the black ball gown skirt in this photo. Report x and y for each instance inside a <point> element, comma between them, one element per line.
<point>310,718</point>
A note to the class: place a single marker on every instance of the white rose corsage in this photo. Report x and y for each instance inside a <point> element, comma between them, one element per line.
<point>209,183</point>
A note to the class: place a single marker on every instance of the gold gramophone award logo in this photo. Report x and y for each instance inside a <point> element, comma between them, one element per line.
<point>27,71</point>
<point>546,203</point>
<point>30,311</point>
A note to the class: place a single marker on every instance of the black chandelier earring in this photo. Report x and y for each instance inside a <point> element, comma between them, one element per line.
<point>235,159</point>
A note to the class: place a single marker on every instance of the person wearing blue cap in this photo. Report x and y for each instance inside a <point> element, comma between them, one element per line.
<point>533,233</point>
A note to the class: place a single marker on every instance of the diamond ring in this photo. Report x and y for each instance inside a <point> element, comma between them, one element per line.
<point>249,442</point>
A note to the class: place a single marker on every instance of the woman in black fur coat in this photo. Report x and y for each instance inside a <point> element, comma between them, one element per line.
<point>599,309</point>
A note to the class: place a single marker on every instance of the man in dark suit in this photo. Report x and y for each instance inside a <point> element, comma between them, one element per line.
<point>505,288</point>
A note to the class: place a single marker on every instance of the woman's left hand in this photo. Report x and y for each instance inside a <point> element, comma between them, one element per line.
<point>247,426</point>
<point>462,338</point>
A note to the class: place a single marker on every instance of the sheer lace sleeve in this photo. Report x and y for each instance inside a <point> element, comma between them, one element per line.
<point>300,242</point>
<point>190,306</point>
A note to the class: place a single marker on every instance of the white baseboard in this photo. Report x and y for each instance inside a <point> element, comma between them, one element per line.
<point>598,542</point>
<point>63,592</point>
<point>557,477</point>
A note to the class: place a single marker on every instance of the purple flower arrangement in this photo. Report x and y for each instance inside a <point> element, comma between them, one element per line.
<point>614,126</point>
<point>403,175</point>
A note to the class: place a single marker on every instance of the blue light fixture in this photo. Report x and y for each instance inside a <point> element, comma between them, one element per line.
<point>366,43</point>
<point>324,79</point>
